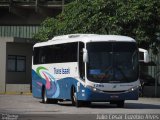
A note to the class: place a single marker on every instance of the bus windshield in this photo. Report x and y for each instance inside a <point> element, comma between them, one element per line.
<point>112,62</point>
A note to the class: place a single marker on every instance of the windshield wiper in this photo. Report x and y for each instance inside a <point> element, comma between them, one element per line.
<point>121,71</point>
<point>133,57</point>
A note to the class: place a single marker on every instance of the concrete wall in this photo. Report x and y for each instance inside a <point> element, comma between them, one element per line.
<point>18,88</point>
<point>22,49</point>
<point>3,42</point>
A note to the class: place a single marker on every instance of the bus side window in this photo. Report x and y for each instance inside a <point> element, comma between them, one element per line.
<point>36,56</point>
<point>39,58</point>
<point>60,53</point>
<point>81,63</point>
<point>42,55</point>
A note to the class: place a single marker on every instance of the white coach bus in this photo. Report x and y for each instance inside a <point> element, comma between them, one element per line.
<point>86,68</point>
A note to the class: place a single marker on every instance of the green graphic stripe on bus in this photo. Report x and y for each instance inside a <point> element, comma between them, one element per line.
<point>38,70</point>
<point>51,85</point>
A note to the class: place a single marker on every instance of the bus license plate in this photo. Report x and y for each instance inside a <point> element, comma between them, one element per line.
<point>114,96</point>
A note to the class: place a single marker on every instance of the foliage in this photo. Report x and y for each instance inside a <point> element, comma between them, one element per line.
<point>139,19</point>
<point>47,29</point>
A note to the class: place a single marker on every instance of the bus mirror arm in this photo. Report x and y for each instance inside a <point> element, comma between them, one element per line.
<point>85,55</point>
<point>145,55</point>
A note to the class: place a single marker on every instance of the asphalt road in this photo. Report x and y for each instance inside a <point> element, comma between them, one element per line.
<point>26,105</point>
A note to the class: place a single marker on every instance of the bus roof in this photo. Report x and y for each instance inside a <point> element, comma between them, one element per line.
<point>85,38</point>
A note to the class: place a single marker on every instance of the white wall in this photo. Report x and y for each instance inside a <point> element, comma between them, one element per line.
<point>3,61</point>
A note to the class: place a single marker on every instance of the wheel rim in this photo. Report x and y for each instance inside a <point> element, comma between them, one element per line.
<point>45,97</point>
<point>74,97</point>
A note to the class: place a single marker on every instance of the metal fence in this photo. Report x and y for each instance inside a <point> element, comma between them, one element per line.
<point>154,71</point>
<point>33,1</point>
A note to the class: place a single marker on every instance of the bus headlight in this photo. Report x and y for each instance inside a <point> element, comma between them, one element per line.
<point>93,88</point>
<point>133,88</point>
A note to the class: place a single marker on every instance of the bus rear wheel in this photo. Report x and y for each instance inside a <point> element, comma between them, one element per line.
<point>53,101</point>
<point>86,103</point>
<point>44,96</point>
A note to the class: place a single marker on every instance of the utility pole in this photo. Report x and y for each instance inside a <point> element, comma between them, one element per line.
<point>63,2</point>
<point>36,5</point>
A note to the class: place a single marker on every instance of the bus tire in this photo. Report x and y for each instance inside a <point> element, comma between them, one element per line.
<point>44,95</point>
<point>120,104</point>
<point>86,103</point>
<point>75,102</point>
<point>53,101</point>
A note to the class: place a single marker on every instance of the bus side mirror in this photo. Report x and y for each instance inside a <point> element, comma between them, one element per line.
<point>143,55</point>
<point>85,55</point>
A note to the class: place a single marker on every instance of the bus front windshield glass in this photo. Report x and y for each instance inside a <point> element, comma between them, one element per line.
<point>112,62</point>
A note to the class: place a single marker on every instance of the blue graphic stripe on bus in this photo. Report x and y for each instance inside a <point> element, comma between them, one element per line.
<point>54,86</point>
<point>36,87</point>
<point>48,80</point>
<point>63,92</point>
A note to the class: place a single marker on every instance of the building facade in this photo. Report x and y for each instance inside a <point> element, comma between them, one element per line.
<point>15,62</point>
<point>19,20</point>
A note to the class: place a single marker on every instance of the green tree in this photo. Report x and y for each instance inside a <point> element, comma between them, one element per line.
<point>47,29</point>
<point>139,19</point>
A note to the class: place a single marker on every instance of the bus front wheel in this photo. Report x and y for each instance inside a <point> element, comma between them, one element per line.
<point>120,104</point>
<point>74,98</point>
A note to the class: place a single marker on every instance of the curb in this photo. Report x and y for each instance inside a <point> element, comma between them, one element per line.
<point>15,93</point>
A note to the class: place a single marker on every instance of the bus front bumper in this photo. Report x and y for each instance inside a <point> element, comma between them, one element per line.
<point>100,96</point>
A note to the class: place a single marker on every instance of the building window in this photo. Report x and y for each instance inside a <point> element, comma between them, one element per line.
<point>16,63</point>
